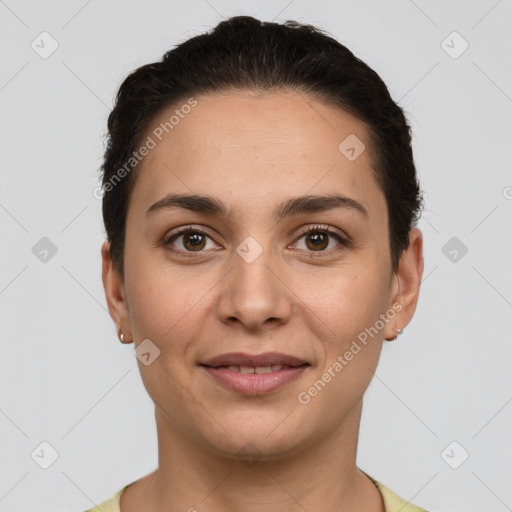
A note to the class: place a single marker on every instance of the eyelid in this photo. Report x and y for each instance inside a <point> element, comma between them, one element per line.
<point>326,229</point>
<point>186,229</point>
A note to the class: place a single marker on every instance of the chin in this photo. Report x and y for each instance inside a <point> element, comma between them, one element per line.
<point>256,438</point>
<point>249,450</point>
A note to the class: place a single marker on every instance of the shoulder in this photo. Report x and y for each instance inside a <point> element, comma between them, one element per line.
<point>111,505</point>
<point>392,501</point>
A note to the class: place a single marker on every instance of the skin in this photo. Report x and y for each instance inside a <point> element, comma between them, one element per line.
<point>252,152</point>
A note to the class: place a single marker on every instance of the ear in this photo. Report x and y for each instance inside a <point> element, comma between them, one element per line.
<point>407,281</point>
<point>115,293</point>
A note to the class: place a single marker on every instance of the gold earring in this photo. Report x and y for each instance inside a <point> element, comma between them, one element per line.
<point>121,338</point>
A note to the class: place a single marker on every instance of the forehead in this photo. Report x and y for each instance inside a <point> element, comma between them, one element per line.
<point>240,146</point>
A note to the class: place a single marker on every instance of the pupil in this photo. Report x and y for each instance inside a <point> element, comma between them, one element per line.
<point>194,240</point>
<point>319,240</point>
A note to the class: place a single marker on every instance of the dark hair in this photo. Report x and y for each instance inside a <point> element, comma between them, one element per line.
<point>245,53</point>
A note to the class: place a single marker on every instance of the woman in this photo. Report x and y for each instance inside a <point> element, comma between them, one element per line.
<point>260,203</point>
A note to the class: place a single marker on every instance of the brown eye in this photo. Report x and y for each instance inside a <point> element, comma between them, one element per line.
<point>189,240</point>
<point>194,241</point>
<point>317,240</point>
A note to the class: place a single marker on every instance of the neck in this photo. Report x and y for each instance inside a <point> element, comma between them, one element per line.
<point>322,476</point>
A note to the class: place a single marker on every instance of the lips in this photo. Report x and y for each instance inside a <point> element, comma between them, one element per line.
<point>254,361</point>
<point>254,374</point>
<point>256,369</point>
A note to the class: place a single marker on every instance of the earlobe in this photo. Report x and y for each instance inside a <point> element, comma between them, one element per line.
<point>114,291</point>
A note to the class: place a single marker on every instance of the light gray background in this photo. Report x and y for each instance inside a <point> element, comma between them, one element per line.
<point>65,378</point>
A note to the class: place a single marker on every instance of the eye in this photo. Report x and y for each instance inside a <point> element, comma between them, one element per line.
<point>190,240</point>
<point>318,239</point>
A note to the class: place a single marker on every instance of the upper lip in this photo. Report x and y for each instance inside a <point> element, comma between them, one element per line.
<point>253,360</point>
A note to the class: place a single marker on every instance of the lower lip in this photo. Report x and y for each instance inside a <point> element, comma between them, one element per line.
<point>255,383</point>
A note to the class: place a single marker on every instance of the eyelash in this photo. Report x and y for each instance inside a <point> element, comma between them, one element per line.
<point>343,243</point>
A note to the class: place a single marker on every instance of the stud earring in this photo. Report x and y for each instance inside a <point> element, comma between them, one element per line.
<point>398,332</point>
<point>121,338</point>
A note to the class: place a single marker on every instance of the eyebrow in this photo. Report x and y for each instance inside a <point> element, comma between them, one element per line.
<point>294,206</point>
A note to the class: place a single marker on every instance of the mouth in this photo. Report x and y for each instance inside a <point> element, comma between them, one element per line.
<point>254,374</point>
<point>256,369</point>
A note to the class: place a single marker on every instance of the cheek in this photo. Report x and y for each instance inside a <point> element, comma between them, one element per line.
<point>343,318</point>
<point>348,314</point>
<point>168,305</point>
<point>348,300</point>
<point>157,303</point>
<point>166,311</point>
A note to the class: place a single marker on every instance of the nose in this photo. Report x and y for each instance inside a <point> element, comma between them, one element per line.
<point>254,294</point>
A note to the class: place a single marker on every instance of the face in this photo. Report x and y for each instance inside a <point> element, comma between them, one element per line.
<point>253,270</point>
